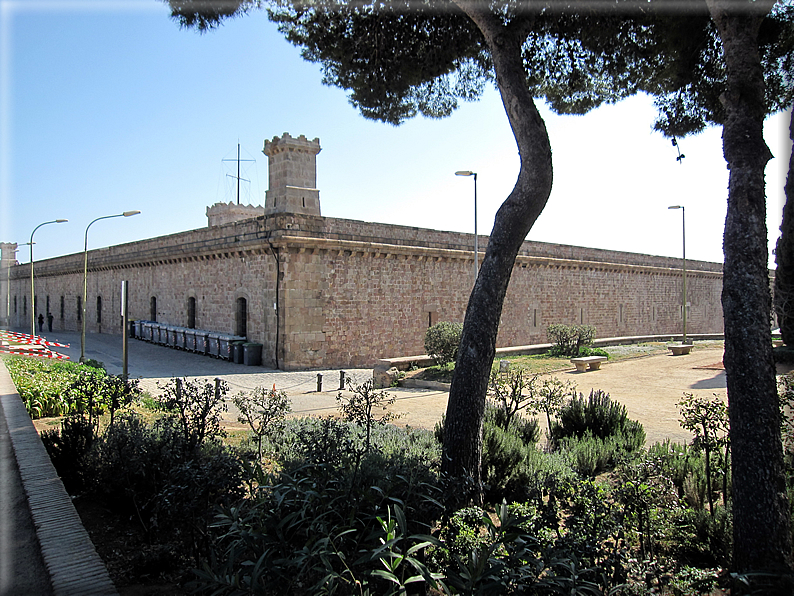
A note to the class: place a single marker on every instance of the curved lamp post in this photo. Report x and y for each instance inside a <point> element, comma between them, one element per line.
<point>683,288</point>
<point>32,286</point>
<point>85,276</point>
<point>476,248</point>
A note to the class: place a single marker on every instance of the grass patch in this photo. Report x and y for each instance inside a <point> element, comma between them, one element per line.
<point>544,363</point>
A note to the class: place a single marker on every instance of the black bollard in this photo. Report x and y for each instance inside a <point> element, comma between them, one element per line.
<point>341,380</point>
<point>319,382</point>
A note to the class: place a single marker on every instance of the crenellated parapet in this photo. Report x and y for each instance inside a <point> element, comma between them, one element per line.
<point>223,213</point>
<point>292,167</point>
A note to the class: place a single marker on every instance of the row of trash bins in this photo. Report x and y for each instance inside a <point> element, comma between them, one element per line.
<point>219,345</point>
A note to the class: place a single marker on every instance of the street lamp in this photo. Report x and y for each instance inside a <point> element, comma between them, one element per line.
<point>32,286</point>
<point>683,289</point>
<point>85,276</point>
<point>476,249</point>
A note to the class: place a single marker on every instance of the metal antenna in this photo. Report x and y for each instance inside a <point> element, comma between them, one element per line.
<point>238,160</point>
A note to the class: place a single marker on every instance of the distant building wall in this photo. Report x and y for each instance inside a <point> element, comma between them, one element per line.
<point>325,292</point>
<point>352,292</point>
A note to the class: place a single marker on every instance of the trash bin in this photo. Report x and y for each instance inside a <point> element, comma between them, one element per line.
<point>159,334</point>
<point>132,329</point>
<point>225,343</point>
<point>170,336</point>
<point>252,354</point>
<point>213,344</point>
<point>146,330</point>
<point>202,342</point>
<point>190,340</point>
<point>179,340</point>
<point>139,329</point>
<point>237,352</point>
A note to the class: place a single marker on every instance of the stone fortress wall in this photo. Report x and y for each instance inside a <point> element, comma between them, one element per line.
<point>327,292</point>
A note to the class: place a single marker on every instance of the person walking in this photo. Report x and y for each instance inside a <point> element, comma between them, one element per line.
<point>41,322</point>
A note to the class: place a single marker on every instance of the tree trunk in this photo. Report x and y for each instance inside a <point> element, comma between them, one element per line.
<point>784,257</point>
<point>762,539</point>
<point>465,409</point>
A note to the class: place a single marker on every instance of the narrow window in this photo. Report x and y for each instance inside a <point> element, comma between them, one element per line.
<point>15,305</point>
<point>79,308</point>
<point>191,313</point>
<point>432,318</point>
<point>62,307</point>
<point>24,306</point>
<point>534,317</point>
<point>48,305</point>
<point>242,317</point>
<point>99,310</point>
<point>153,309</point>
<point>581,316</point>
<point>620,313</point>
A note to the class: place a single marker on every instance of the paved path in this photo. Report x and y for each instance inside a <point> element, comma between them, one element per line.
<point>649,387</point>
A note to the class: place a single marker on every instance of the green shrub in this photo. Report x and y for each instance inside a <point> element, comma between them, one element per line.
<point>703,540</point>
<point>197,406</point>
<point>44,386</point>
<point>591,351</point>
<point>598,416</point>
<point>142,471</point>
<point>590,455</point>
<point>442,341</point>
<point>685,467</point>
<point>568,340</point>
<point>68,449</point>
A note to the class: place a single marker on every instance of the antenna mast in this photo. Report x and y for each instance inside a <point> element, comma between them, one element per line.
<point>238,160</point>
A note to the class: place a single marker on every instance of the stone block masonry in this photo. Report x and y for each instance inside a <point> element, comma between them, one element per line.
<point>321,292</point>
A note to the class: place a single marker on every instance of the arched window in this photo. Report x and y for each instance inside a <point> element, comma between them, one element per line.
<point>191,313</point>
<point>99,310</point>
<point>242,317</point>
<point>153,309</point>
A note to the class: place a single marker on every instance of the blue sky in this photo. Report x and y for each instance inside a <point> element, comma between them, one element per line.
<point>107,106</point>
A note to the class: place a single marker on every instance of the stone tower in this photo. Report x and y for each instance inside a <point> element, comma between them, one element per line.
<point>292,168</point>
<point>8,258</point>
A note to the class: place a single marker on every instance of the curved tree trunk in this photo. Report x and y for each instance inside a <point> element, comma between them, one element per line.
<point>784,257</point>
<point>463,426</point>
<point>762,539</point>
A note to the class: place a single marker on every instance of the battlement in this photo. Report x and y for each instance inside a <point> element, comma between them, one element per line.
<point>292,175</point>
<point>223,213</point>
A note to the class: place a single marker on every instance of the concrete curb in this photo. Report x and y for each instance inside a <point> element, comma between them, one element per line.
<point>71,560</point>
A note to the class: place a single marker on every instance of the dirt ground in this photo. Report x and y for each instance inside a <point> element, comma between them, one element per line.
<point>649,387</point>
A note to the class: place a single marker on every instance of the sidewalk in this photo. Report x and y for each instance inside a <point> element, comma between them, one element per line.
<point>649,387</point>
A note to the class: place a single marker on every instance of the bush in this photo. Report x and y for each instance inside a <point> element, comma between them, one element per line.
<point>568,340</point>
<point>685,467</point>
<point>141,471</point>
<point>599,416</point>
<point>703,540</point>
<point>442,341</point>
<point>591,351</point>
<point>44,386</point>
<point>590,455</point>
<point>68,450</point>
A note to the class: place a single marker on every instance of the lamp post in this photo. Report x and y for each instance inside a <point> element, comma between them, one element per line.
<point>85,276</point>
<point>683,290</point>
<point>476,248</point>
<point>32,283</point>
